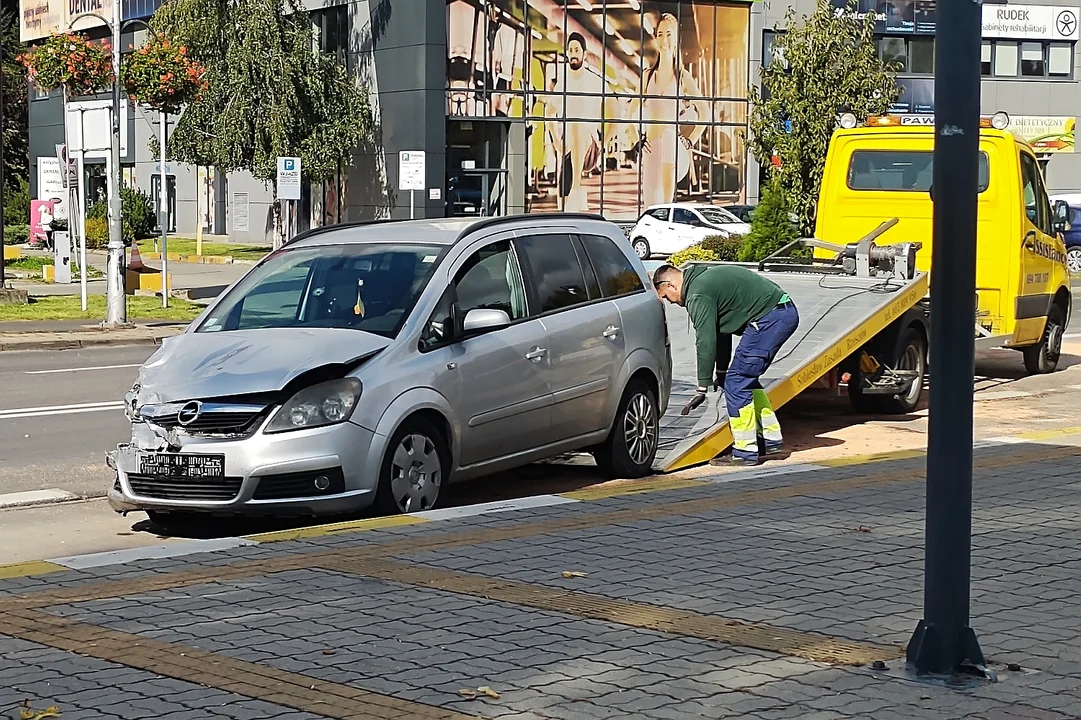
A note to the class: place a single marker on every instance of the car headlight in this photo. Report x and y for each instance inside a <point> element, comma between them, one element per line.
<point>327,403</point>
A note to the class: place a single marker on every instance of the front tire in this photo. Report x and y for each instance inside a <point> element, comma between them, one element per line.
<point>1043,358</point>
<point>414,470</point>
<point>641,248</point>
<point>631,446</point>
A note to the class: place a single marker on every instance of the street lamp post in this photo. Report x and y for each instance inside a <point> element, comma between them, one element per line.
<point>943,641</point>
<point>116,299</point>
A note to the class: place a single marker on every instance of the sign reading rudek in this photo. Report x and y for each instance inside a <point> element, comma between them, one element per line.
<point>1030,22</point>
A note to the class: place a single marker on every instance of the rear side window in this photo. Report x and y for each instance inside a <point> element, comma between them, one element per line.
<point>553,266</point>
<point>614,271</point>
<point>899,170</point>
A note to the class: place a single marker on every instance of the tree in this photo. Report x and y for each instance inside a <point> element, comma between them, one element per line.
<point>15,130</point>
<point>268,94</point>
<point>822,67</point>
<point>771,226</point>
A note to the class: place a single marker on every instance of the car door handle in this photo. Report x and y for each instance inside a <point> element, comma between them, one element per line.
<point>611,332</point>
<point>536,354</point>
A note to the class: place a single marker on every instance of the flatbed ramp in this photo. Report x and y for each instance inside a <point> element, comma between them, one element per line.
<point>838,314</point>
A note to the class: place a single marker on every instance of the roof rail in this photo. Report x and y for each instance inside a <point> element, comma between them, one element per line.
<point>500,219</point>
<point>312,232</point>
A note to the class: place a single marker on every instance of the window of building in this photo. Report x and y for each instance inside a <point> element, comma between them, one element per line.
<point>921,56</point>
<point>894,51</point>
<point>1032,61</point>
<point>1060,60</point>
<point>332,29</point>
<point>985,58</point>
<point>770,52</point>
<point>1006,57</point>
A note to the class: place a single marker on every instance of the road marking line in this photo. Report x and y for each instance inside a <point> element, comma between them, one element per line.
<point>1050,434</point>
<point>35,497</point>
<point>28,569</point>
<point>81,369</point>
<point>152,552</point>
<point>351,526</point>
<point>16,413</point>
<point>525,503</point>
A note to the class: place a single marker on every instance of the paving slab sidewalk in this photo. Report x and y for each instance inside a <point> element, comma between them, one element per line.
<point>769,597</point>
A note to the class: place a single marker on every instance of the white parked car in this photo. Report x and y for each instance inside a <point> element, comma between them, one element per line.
<point>665,229</point>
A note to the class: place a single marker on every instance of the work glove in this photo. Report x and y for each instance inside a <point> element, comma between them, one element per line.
<point>697,399</point>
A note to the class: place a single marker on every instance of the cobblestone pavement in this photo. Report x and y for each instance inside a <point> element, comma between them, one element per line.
<point>765,597</point>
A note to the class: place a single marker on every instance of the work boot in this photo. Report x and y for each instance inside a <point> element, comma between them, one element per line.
<point>734,461</point>
<point>767,448</point>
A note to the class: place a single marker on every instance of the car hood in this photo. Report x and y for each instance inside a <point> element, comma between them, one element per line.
<point>220,364</point>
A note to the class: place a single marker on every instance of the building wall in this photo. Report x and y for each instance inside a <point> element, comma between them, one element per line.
<point>1017,96</point>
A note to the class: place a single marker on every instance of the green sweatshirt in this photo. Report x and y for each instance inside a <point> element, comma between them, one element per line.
<point>722,300</point>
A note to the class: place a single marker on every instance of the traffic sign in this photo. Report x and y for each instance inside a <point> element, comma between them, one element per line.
<point>288,178</point>
<point>411,170</point>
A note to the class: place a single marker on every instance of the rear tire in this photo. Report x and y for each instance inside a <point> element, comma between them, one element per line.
<point>641,248</point>
<point>1043,358</point>
<point>913,356</point>
<point>414,470</point>
<point>631,446</point>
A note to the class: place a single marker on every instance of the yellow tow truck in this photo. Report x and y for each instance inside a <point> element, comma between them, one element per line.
<point>883,170</point>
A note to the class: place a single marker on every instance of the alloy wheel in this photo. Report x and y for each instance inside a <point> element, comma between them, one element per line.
<point>416,473</point>
<point>640,428</point>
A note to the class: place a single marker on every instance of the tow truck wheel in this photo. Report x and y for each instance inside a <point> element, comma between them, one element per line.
<point>913,358</point>
<point>1043,358</point>
<point>631,446</point>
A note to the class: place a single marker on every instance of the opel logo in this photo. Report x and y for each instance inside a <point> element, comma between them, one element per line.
<point>1067,23</point>
<point>189,413</point>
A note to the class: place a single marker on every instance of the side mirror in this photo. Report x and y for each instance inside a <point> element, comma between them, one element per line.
<point>931,192</point>
<point>481,319</point>
<point>1061,221</point>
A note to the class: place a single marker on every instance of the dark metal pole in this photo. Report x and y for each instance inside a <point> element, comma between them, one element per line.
<point>943,641</point>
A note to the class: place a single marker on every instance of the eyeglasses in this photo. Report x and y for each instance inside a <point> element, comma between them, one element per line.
<point>658,283</point>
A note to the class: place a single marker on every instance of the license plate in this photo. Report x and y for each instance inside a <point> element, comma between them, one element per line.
<point>183,466</point>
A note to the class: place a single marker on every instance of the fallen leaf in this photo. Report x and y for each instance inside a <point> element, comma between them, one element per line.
<point>863,528</point>
<point>488,691</point>
<point>466,692</point>
<point>30,714</point>
<point>329,652</point>
<point>572,574</point>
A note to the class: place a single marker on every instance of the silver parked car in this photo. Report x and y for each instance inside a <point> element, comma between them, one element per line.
<point>373,363</point>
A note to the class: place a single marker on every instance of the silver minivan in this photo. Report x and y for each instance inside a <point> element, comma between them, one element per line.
<point>374,363</point>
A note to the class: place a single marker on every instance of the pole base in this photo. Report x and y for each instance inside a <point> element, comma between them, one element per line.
<point>930,651</point>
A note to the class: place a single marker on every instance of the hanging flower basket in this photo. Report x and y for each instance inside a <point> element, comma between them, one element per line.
<point>70,61</point>
<point>161,75</point>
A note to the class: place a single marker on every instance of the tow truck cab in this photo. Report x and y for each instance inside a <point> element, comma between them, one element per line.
<point>883,170</point>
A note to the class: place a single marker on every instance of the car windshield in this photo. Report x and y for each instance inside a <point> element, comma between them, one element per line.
<point>370,287</point>
<point>718,216</point>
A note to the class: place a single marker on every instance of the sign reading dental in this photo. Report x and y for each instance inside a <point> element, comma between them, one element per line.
<point>1030,22</point>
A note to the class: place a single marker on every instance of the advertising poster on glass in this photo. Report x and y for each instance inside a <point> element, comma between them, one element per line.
<point>626,104</point>
<point>917,96</point>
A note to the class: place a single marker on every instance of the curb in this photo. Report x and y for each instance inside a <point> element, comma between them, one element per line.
<point>12,344</point>
<point>199,259</point>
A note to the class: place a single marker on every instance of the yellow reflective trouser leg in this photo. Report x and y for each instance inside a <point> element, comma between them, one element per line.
<point>745,433</point>
<point>767,420</point>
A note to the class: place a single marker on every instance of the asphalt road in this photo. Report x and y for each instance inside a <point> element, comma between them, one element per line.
<point>59,412</point>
